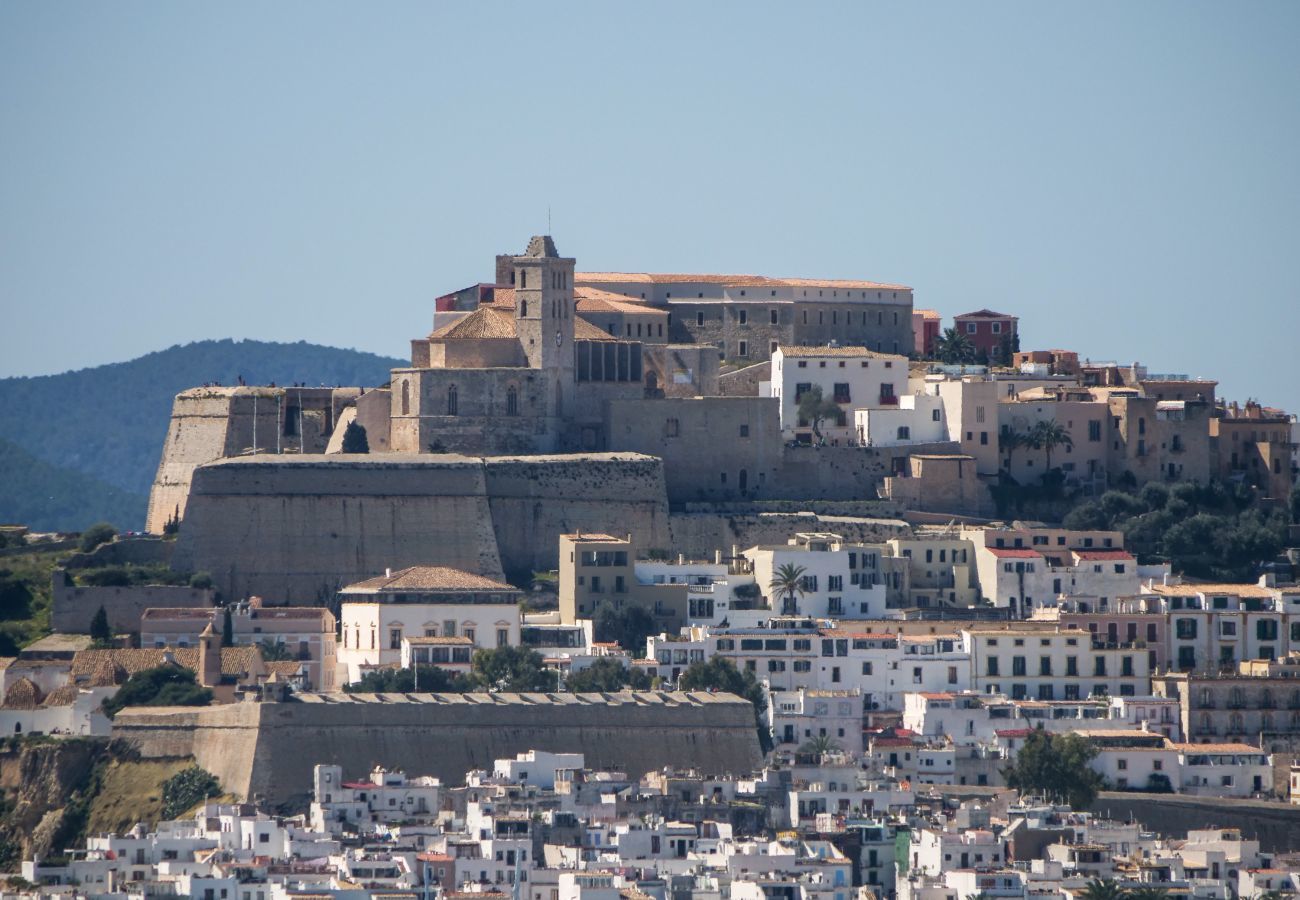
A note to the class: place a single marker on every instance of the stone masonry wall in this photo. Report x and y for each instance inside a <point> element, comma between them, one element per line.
<point>73,607</point>
<point>257,749</point>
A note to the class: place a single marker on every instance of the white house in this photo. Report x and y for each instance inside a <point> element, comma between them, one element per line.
<point>851,377</point>
<point>423,602</point>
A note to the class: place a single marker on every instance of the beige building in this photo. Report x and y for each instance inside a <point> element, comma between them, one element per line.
<point>301,634</point>
<point>600,569</point>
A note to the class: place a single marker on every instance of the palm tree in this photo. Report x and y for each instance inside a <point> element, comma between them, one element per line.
<point>1146,893</point>
<point>953,347</point>
<point>1102,889</point>
<point>1011,441</point>
<point>1048,436</point>
<point>273,651</point>
<point>787,582</point>
<point>819,746</point>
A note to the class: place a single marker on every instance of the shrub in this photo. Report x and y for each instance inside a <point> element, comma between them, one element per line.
<point>201,580</point>
<point>186,790</point>
<point>99,533</point>
<point>166,685</point>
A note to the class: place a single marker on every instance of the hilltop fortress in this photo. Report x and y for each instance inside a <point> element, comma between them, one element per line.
<point>544,402</point>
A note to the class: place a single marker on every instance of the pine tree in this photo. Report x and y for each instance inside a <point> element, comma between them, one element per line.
<point>227,630</point>
<point>355,440</point>
<point>99,627</point>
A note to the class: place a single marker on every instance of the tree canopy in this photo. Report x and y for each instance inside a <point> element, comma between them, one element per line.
<point>511,669</point>
<point>1055,766</point>
<point>166,685</point>
<point>815,409</point>
<point>627,625</point>
<point>607,675</point>
<point>355,440</point>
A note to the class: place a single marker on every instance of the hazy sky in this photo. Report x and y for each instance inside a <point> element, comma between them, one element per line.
<point>1123,176</point>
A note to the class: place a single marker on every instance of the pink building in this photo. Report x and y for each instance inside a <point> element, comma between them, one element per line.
<point>986,329</point>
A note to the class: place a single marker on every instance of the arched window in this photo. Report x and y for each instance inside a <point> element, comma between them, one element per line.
<point>406,398</point>
<point>452,404</point>
<point>512,401</point>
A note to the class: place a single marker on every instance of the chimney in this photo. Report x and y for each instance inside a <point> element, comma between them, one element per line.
<point>681,559</point>
<point>388,573</point>
<point>717,557</point>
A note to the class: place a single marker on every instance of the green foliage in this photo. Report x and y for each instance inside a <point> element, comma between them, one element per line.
<point>511,669</point>
<point>1101,889</point>
<point>272,651</point>
<point>814,409</point>
<point>100,631</point>
<point>1055,766</point>
<point>228,630</point>
<point>819,746</point>
<point>628,625</point>
<point>202,581</point>
<point>15,596</point>
<point>954,348</point>
<point>125,576</point>
<point>161,686</point>
<point>1159,783</point>
<point>433,680</point>
<point>721,674</point>
<point>25,598</point>
<point>606,676</point>
<point>355,440</point>
<point>186,790</point>
<point>787,581</point>
<point>1206,531</point>
<point>1047,436</point>
<point>99,533</point>
<point>97,457</point>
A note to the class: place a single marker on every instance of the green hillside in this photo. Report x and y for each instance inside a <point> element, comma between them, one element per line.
<point>107,424</point>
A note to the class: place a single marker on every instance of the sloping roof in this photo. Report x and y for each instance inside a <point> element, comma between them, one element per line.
<point>984,314</point>
<point>730,280</point>
<point>590,299</point>
<point>863,352</point>
<point>585,331</point>
<point>1192,590</point>
<point>95,665</point>
<point>1014,552</point>
<point>22,694</point>
<point>484,322</point>
<point>1215,748</point>
<point>927,313</point>
<point>429,578</point>
<point>62,696</point>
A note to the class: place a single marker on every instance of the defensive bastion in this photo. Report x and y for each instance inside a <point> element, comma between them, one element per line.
<point>267,750</point>
<point>297,528</point>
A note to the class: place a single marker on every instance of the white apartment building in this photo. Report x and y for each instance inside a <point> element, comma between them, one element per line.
<point>384,797</point>
<point>1048,663</point>
<point>851,377</point>
<point>1224,770</point>
<point>917,419</point>
<point>935,852</point>
<point>839,580</point>
<point>940,569</point>
<point>538,768</point>
<point>803,715</point>
<point>1214,626</point>
<point>422,602</point>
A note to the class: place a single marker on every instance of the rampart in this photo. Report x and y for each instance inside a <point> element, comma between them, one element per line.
<point>73,608</point>
<point>297,528</point>
<point>1275,825</point>
<point>268,750</point>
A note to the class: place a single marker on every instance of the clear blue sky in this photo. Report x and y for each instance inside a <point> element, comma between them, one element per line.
<point>1123,176</point>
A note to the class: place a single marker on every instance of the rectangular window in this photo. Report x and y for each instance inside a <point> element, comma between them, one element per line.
<point>743,349</point>
<point>1094,430</point>
<point>744,317</point>
<point>773,316</point>
<point>395,639</point>
<point>699,319</point>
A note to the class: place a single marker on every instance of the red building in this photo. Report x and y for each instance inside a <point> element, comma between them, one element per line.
<point>986,329</point>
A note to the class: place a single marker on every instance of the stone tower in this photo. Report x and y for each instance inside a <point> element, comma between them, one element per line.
<point>209,658</point>
<point>544,312</point>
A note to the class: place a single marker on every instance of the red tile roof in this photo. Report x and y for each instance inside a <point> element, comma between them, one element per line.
<point>429,578</point>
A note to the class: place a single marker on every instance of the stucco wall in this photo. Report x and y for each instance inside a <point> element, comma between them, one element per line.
<point>257,748</point>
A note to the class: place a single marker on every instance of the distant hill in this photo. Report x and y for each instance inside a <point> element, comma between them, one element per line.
<point>51,498</point>
<point>107,424</point>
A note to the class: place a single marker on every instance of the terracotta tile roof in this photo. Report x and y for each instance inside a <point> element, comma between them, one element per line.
<point>590,299</point>
<point>1013,732</point>
<point>585,331</point>
<point>796,352</point>
<point>927,313</point>
<point>730,280</point>
<point>286,667</point>
<point>1215,748</point>
<point>503,298</point>
<point>984,314</point>
<point>429,578</point>
<point>22,694</point>
<point>62,696</point>
<point>96,665</point>
<point>1192,590</point>
<point>484,322</point>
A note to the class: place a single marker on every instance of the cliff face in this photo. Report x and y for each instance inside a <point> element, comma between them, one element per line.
<point>257,749</point>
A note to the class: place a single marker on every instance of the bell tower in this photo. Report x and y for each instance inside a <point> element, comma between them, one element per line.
<point>544,311</point>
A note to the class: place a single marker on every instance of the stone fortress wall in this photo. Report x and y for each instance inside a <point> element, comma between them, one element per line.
<point>295,529</point>
<point>257,749</point>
